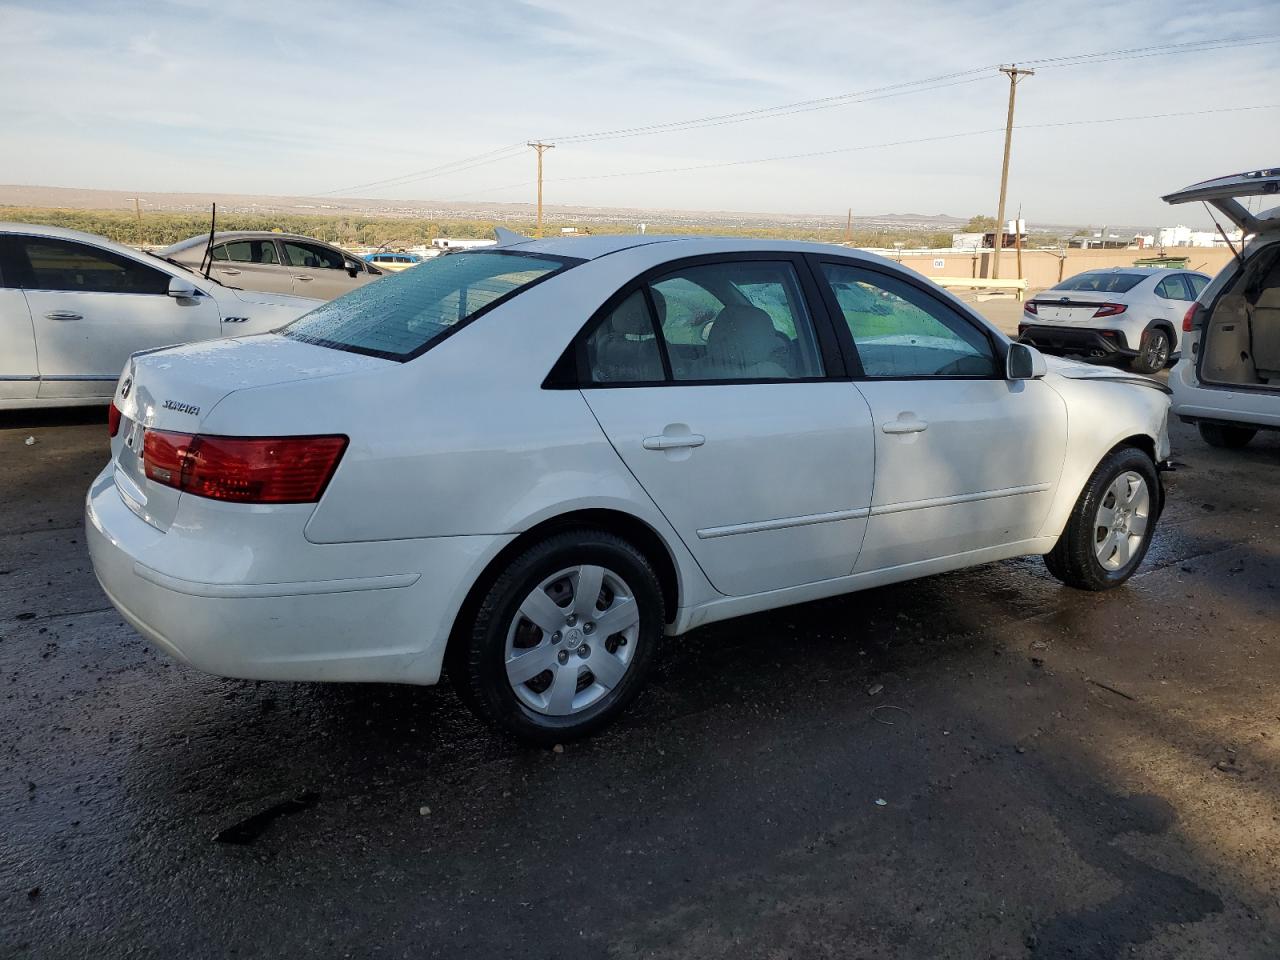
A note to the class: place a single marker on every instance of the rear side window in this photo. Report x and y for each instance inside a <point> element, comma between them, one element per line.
<point>247,251</point>
<point>624,348</point>
<point>1197,284</point>
<point>1103,282</point>
<point>47,264</point>
<point>402,315</point>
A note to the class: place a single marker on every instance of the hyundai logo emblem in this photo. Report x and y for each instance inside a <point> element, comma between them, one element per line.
<point>126,387</point>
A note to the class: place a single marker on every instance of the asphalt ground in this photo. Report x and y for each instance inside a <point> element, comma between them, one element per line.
<point>979,764</point>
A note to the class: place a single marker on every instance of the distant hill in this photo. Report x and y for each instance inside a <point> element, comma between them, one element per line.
<point>659,220</point>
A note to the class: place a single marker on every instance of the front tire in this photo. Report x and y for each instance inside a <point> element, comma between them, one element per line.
<point>563,639</point>
<point>1111,525</point>
<point>1225,436</point>
<point>1153,353</point>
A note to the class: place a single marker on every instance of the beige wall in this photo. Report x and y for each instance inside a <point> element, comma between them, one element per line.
<point>1041,268</point>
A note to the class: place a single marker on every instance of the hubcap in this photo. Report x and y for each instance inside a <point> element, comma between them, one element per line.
<point>1157,352</point>
<point>572,640</point>
<point>1121,521</point>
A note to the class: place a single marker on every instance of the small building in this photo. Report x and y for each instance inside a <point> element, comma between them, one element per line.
<point>456,243</point>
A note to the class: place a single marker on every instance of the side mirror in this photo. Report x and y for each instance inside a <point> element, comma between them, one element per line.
<point>1025,362</point>
<point>181,289</point>
<point>351,267</point>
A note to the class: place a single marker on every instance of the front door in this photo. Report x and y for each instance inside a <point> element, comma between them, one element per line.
<point>319,271</point>
<point>965,459</point>
<point>19,372</point>
<point>725,417</point>
<point>91,308</point>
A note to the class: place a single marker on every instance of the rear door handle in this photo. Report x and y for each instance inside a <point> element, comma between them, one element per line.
<point>905,424</point>
<point>303,278</point>
<point>229,272</point>
<point>665,442</point>
<point>62,315</point>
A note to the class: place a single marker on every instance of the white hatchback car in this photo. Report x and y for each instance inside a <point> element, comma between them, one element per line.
<point>530,462</point>
<point>1228,381</point>
<point>73,307</point>
<point>1127,314</point>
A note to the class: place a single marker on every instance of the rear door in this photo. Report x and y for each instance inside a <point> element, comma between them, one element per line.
<point>252,265</point>
<point>964,459</point>
<point>718,390</point>
<point>91,308</point>
<point>19,372</point>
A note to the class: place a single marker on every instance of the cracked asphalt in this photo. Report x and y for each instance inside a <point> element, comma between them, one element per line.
<point>981,764</point>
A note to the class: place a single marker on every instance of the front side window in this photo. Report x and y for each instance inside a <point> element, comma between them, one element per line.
<point>1171,288</point>
<point>736,321</point>
<point>312,256</point>
<point>249,251</point>
<point>400,316</point>
<point>901,331</point>
<point>1103,282</point>
<point>48,264</point>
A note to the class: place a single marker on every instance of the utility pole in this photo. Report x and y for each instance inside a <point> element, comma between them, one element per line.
<point>137,210</point>
<point>1013,73</point>
<point>541,148</point>
<point>848,227</point>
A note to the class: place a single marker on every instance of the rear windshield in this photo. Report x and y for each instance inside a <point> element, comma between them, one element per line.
<point>401,315</point>
<point>1103,282</point>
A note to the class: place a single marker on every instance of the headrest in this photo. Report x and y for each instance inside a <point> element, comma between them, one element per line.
<point>743,334</point>
<point>632,317</point>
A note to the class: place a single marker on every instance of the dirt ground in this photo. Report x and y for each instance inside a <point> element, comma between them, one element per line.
<point>980,764</point>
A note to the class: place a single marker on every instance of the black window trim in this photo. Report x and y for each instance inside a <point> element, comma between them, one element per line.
<point>570,371</point>
<point>566,264</point>
<point>998,343</point>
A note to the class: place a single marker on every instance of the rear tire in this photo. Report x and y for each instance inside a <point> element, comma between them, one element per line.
<point>1225,436</point>
<point>565,677</point>
<point>1111,525</point>
<point>1153,353</point>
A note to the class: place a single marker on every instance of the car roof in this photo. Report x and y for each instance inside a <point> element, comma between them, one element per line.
<point>199,240</point>
<point>63,233</point>
<point>678,246</point>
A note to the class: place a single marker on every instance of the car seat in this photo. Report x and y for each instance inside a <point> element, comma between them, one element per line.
<point>628,351</point>
<point>743,344</point>
<point>1264,327</point>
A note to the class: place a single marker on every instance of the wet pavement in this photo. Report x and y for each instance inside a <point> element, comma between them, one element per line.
<point>981,764</point>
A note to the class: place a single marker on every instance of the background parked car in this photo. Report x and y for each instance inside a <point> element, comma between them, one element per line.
<point>74,306</point>
<point>1228,380</point>
<point>1128,314</point>
<point>393,262</point>
<point>277,263</point>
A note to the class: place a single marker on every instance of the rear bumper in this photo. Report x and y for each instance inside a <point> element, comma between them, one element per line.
<point>1077,341</point>
<point>384,614</point>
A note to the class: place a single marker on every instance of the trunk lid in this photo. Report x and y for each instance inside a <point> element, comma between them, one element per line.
<point>1058,306</point>
<point>1224,193</point>
<point>176,388</point>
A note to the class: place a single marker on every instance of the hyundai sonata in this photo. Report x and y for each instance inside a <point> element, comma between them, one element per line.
<point>525,465</point>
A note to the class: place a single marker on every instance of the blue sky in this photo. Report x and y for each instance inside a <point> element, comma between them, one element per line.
<point>301,98</point>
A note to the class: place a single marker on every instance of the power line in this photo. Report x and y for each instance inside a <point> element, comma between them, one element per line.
<point>808,155</point>
<point>804,106</point>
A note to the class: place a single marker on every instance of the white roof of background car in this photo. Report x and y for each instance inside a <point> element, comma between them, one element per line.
<point>593,247</point>
<point>79,236</point>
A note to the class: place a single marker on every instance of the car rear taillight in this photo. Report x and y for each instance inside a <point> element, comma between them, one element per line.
<point>1189,318</point>
<point>1110,309</point>
<point>113,419</point>
<point>243,469</point>
<point>1031,308</point>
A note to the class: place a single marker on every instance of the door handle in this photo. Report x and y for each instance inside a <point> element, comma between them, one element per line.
<point>229,272</point>
<point>303,278</point>
<point>62,315</point>
<point>905,424</point>
<point>665,442</point>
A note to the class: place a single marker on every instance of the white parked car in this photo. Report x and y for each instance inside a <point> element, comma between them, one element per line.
<point>73,307</point>
<point>1228,381</point>
<point>1120,313</point>
<point>531,462</point>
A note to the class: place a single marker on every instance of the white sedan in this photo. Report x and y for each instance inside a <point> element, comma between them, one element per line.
<point>73,307</point>
<point>531,462</point>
